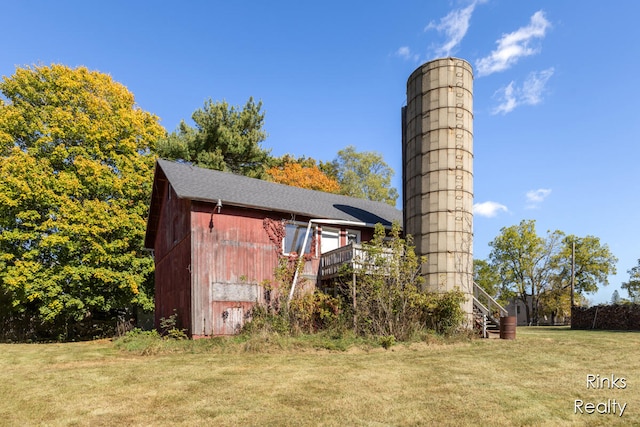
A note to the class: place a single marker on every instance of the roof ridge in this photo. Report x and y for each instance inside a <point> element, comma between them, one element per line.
<point>209,185</point>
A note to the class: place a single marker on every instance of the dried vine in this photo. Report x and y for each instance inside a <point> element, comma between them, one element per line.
<point>276,232</point>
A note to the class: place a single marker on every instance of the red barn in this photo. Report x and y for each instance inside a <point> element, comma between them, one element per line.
<point>216,237</point>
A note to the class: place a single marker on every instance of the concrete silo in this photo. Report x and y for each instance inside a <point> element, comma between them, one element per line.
<point>437,150</point>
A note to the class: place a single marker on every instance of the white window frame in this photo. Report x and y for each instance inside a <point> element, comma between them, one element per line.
<point>356,233</point>
<point>333,232</point>
<point>301,230</point>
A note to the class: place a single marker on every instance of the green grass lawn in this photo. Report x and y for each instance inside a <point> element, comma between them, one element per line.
<point>532,380</point>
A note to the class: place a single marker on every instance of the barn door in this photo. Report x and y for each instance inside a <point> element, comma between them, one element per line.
<point>233,320</point>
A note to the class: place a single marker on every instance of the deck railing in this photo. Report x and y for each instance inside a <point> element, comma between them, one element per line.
<point>487,305</point>
<point>354,256</point>
<point>333,261</point>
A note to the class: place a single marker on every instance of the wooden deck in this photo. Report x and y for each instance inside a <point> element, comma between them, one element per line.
<point>333,263</point>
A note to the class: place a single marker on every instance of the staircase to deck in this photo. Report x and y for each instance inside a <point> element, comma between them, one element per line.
<point>486,313</point>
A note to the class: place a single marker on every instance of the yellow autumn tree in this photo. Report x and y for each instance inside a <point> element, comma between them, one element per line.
<point>76,161</point>
<point>304,174</point>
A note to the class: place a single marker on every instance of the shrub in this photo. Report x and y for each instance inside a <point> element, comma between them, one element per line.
<point>389,300</point>
<point>170,329</point>
<point>265,320</point>
<point>444,311</point>
<point>139,341</point>
<point>314,312</point>
<point>387,341</point>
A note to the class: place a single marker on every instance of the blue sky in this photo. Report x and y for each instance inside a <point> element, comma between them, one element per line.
<point>555,92</point>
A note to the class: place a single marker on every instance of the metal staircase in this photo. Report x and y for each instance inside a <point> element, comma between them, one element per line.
<point>487,313</point>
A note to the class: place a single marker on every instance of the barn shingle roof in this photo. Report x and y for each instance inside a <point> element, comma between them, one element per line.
<point>194,183</point>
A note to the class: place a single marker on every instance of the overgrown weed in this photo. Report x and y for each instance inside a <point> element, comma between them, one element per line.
<point>152,343</point>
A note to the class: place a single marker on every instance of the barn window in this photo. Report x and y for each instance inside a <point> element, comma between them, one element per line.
<point>294,237</point>
<point>330,239</point>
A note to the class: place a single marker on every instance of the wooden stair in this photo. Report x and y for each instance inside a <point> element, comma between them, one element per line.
<point>487,313</point>
<point>487,327</point>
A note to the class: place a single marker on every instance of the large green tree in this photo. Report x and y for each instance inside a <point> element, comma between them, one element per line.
<point>76,160</point>
<point>486,276</point>
<point>225,138</point>
<point>362,174</point>
<point>539,269</point>
<point>524,261</point>
<point>592,263</point>
<point>585,261</point>
<point>633,285</point>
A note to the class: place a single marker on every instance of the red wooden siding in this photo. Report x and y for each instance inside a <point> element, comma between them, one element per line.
<point>172,253</point>
<point>232,257</point>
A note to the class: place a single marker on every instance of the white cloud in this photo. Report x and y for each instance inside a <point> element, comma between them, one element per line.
<point>508,100</point>
<point>513,46</point>
<point>455,26</point>
<point>534,86</point>
<point>404,52</point>
<point>535,197</point>
<point>530,93</point>
<point>489,209</point>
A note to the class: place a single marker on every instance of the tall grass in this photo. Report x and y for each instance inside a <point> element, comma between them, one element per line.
<point>533,380</point>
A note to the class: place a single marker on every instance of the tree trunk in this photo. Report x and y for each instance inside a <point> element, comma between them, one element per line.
<point>534,305</point>
<point>535,317</point>
<point>527,311</point>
